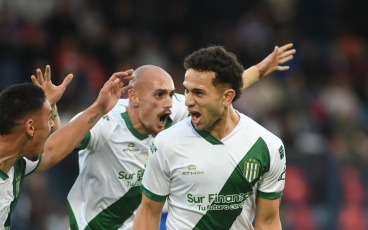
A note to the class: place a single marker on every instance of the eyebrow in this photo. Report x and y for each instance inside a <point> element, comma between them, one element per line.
<point>164,90</point>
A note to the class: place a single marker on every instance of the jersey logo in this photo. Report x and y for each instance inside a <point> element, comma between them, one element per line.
<point>106,117</point>
<point>192,167</point>
<point>282,152</point>
<point>282,176</point>
<point>192,171</point>
<point>153,147</point>
<point>251,170</point>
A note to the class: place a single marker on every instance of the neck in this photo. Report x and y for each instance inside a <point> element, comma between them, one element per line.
<point>226,124</point>
<point>133,114</point>
<point>10,150</point>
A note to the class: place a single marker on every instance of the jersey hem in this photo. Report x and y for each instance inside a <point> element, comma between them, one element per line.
<point>270,196</point>
<point>152,196</point>
<point>86,141</point>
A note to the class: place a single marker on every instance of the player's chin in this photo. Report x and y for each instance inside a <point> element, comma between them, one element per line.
<point>157,130</point>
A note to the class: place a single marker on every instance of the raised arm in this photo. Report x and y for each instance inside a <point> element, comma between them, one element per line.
<point>53,92</point>
<point>148,215</point>
<point>271,63</point>
<point>63,141</point>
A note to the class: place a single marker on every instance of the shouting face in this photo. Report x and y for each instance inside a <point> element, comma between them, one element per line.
<point>153,95</point>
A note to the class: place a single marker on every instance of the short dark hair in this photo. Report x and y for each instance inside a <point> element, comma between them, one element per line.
<point>225,64</point>
<point>16,102</point>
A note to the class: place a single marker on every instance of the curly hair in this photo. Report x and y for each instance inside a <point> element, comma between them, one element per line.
<point>225,64</point>
<point>18,101</point>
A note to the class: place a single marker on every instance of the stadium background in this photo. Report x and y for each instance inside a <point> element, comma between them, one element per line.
<point>318,108</point>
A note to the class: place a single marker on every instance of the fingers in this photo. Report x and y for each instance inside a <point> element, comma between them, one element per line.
<point>282,68</point>
<point>40,77</point>
<point>34,80</point>
<point>286,47</point>
<point>48,73</point>
<point>122,77</point>
<point>67,80</point>
<point>125,89</point>
<point>286,59</point>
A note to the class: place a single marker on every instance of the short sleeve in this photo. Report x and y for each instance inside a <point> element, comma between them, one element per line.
<point>155,183</point>
<point>272,183</point>
<point>98,134</point>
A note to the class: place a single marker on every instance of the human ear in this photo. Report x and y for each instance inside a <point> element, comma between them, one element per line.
<point>228,97</point>
<point>133,97</point>
<point>30,127</point>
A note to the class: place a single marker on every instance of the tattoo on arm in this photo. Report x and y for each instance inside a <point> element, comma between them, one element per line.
<point>92,119</point>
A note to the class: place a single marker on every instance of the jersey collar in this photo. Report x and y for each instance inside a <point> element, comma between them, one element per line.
<point>131,128</point>
<point>207,136</point>
<point>3,175</point>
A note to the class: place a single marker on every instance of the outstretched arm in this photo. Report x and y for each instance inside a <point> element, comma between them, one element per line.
<point>63,141</point>
<point>271,63</point>
<point>53,92</point>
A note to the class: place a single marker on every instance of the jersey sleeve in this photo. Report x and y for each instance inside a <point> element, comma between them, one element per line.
<point>273,181</point>
<point>155,182</point>
<point>179,111</point>
<point>98,134</point>
<point>31,166</point>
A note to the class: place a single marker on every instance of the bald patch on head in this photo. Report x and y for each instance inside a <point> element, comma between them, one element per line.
<point>144,72</point>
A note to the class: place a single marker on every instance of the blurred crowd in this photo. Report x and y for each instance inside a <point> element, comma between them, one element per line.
<point>319,108</point>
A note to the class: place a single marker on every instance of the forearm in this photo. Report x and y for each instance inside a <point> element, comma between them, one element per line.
<point>66,139</point>
<point>273,224</point>
<point>250,76</point>
<point>267,216</point>
<point>143,221</point>
<point>148,215</point>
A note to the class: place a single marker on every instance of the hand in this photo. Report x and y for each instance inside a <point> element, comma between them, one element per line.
<point>113,90</point>
<point>53,92</point>
<point>272,62</point>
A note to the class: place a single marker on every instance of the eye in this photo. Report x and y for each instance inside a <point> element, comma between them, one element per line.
<point>159,94</point>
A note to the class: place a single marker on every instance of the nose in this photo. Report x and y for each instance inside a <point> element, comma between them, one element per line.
<point>189,100</point>
<point>168,102</point>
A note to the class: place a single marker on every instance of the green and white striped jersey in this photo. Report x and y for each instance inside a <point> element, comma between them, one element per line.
<point>10,186</point>
<point>107,193</point>
<point>213,184</point>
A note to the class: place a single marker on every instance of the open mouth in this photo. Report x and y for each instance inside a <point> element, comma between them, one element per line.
<point>195,117</point>
<point>163,119</point>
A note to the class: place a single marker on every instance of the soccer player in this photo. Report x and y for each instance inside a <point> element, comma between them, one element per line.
<point>218,169</point>
<point>107,192</point>
<point>27,117</point>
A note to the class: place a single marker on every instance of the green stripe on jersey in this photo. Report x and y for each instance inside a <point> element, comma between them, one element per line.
<point>237,183</point>
<point>19,171</point>
<point>72,221</point>
<point>152,196</point>
<point>131,127</point>
<point>207,136</point>
<point>86,140</point>
<point>116,214</point>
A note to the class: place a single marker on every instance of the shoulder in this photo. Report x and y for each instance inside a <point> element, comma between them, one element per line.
<point>178,98</point>
<point>175,132</point>
<point>179,110</point>
<point>258,130</point>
